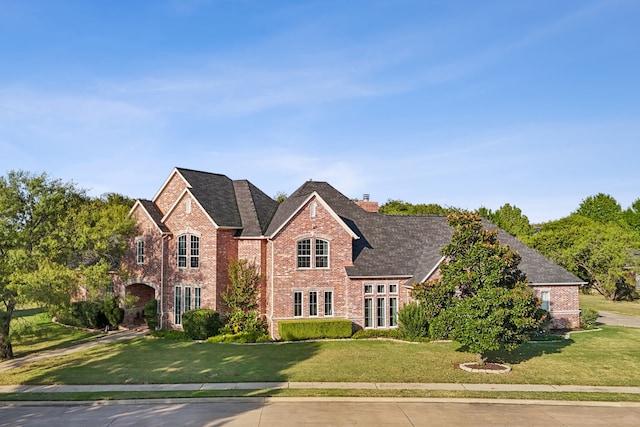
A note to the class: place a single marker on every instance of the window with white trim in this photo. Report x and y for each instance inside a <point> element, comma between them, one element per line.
<point>177,305</point>
<point>140,250</point>
<point>297,304</point>
<point>313,253</point>
<point>545,300</point>
<point>313,303</point>
<point>328,303</point>
<point>380,305</point>
<point>185,298</point>
<point>197,297</point>
<point>188,255</point>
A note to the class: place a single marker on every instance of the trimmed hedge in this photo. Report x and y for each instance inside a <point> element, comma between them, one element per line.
<point>296,330</point>
<point>201,324</point>
<point>377,333</point>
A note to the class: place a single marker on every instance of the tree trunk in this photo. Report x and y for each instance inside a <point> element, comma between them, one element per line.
<point>6,350</point>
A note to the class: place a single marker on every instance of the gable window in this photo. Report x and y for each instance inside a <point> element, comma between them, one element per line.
<point>188,255</point>
<point>319,254</point>
<point>304,253</point>
<point>140,251</point>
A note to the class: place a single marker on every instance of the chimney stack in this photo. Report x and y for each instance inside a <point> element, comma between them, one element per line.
<point>366,204</point>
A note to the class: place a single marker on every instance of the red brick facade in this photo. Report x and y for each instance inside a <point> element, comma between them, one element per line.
<point>318,289</point>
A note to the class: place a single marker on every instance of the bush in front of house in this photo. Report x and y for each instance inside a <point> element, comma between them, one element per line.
<point>93,314</point>
<point>413,321</point>
<point>296,330</point>
<point>151,314</point>
<point>201,324</point>
<point>241,338</point>
<point>588,318</point>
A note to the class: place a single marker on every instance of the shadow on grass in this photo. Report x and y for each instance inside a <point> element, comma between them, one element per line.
<point>528,351</point>
<point>158,361</point>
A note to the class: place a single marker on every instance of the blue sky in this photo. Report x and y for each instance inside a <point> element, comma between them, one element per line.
<point>461,103</point>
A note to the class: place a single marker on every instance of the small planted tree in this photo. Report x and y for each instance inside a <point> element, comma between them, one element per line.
<point>494,308</point>
<point>241,297</point>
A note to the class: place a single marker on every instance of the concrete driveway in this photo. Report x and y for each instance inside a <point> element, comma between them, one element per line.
<point>613,319</point>
<point>284,412</point>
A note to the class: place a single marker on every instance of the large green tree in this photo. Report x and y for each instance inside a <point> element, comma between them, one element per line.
<point>53,239</point>
<point>510,219</point>
<point>494,308</point>
<point>601,208</point>
<point>399,207</point>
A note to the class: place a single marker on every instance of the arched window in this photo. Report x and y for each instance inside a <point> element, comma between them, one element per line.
<point>313,249</point>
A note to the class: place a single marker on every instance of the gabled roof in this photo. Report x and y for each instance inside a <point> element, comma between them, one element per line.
<point>152,212</point>
<point>255,207</point>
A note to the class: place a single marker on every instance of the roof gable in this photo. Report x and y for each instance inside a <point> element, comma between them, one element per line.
<point>152,211</point>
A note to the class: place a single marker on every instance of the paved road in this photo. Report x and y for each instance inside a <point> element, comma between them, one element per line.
<point>284,412</point>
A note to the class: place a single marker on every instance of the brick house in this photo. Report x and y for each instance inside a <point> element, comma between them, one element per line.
<point>320,254</point>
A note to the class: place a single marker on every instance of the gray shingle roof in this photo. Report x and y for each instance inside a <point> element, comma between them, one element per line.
<point>154,213</point>
<point>388,246</point>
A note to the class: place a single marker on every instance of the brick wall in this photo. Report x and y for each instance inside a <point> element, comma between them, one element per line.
<point>564,304</point>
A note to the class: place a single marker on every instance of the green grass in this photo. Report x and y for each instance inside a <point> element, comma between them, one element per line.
<point>600,303</point>
<point>607,357</point>
<point>32,331</point>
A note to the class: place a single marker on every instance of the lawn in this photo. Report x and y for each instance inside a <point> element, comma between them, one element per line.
<point>600,303</point>
<point>607,357</point>
<point>32,331</point>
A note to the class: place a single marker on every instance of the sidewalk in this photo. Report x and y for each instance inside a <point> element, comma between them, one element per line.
<point>314,385</point>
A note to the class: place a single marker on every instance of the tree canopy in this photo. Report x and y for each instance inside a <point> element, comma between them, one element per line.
<point>54,238</point>
<point>399,207</point>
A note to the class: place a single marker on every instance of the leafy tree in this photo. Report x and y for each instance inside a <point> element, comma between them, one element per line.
<point>48,245</point>
<point>601,254</point>
<point>241,297</point>
<point>631,216</point>
<point>495,307</point>
<point>280,196</point>
<point>510,219</point>
<point>398,207</point>
<point>601,208</point>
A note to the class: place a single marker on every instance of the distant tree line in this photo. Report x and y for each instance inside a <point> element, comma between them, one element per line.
<point>599,242</point>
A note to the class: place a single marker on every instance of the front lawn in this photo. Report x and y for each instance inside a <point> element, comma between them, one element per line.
<point>600,303</point>
<point>607,357</point>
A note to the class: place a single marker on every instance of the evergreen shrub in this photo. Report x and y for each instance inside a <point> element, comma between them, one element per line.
<point>201,324</point>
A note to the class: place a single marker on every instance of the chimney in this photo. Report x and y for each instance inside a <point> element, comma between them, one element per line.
<point>366,204</point>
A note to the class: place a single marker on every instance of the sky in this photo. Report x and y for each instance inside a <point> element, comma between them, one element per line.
<point>460,103</point>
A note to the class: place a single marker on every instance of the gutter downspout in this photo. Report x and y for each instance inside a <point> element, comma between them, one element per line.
<point>271,261</point>
<point>168,236</point>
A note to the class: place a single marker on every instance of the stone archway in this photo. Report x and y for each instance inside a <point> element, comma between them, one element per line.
<point>142,293</point>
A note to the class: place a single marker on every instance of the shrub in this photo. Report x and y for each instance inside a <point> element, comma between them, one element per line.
<point>201,324</point>
<point>295,330</point>
<point>84,314</point>
<point>113,313</point>
<point>241,337</point>
<point>413,321</point>
<point>588,318</point>
<point>151,314</point>
<point>240,321</point>
<point>377,333</point>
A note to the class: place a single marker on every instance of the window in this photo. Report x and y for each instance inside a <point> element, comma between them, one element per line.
<point>297,304</point>
<point>313,303</point>
<point>140,251</point>
<point>381,304</point>
<point>197,298</point>
<point>195,251</point>
<point>304,253</point>
<point>368,312</point>
<point>393,311</point>
<point>187,299</point>
<point>177,306</point>
<point>182,252</point>
<point>328,303</point>
<point>191,257</point>
<point>320,253</point>
<point>545,296</point>
<point>313,209</point>
<point>380,312</point>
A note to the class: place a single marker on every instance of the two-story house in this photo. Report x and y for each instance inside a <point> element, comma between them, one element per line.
<point>320,254</point>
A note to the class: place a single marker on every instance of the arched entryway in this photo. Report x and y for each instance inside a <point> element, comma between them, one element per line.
<point>138,294</point>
